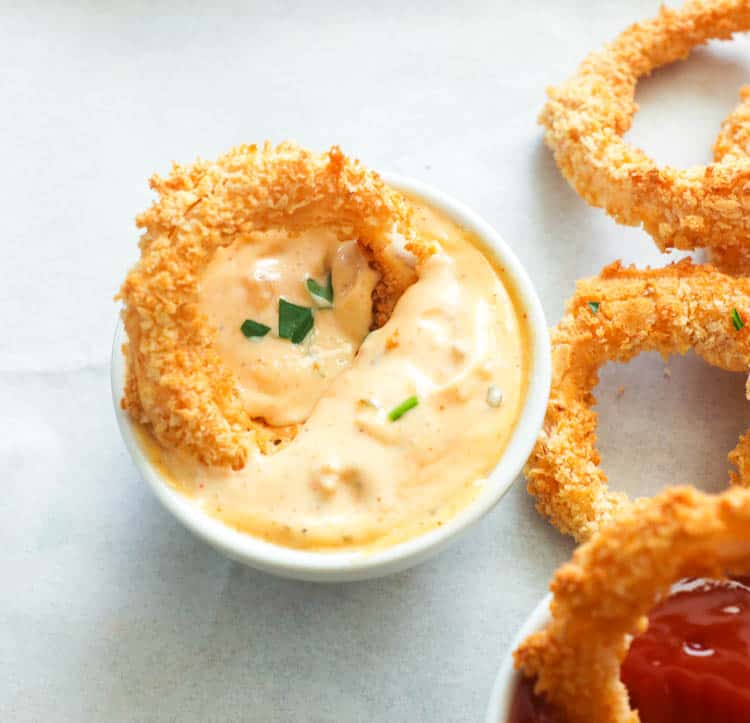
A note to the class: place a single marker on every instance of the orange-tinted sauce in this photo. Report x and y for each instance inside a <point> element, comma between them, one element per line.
<point>692,665</point>
<point>353,477</point>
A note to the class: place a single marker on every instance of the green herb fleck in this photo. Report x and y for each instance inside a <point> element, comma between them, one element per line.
<point>252,328</point>
<point>403,408</point>
<point>322,295</point>
<point>737,320</point>
<point>295,321</point>
<point>594,306</point>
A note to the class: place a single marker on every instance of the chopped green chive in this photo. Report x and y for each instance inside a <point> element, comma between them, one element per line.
<point>322,295</point>
<point>403,408</point>
<point>594,306</point>
<point>295,321</point>
<point>737,320</point>
<point>252,328</point>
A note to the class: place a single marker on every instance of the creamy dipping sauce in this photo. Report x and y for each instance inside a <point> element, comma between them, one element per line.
<point>353,475</point>
<point>280,381</point>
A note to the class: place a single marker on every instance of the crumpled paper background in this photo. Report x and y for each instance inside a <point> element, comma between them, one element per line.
<point>109,610</point>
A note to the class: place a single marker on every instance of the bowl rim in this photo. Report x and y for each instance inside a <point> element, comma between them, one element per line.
<point>508,677</point>
<point>357,565</point>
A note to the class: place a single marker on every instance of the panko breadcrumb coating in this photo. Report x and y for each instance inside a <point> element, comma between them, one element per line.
<point>614,317</point>
<point>176,382</point>
<point>603,595</point>
<point>733,143</point>
<point>586,117</point>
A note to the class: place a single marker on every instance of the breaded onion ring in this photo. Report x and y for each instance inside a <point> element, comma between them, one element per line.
<point>733,143</point>
<point>587,116</point>
<point>176,381</point>
<point>603,595</point>
<point>614,317</point>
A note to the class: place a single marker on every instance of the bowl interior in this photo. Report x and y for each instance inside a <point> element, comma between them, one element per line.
<point>508,678</point>
<point>335,566</point>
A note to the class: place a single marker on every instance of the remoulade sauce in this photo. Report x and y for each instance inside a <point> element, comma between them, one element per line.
<point>398,427</point>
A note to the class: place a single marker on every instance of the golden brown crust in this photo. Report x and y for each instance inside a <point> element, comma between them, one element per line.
<point>176,381</point>
<point>586,117</point>
<point>734,260</point>
<point>733,143</point>
<point>601,597</point>
<point>671,310</point>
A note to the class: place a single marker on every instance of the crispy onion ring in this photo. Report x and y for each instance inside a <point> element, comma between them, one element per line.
<point>733,143</point>
<point>176,381</point>
<point>670,310</point>
<point>586,117</point>
<point>602,596</point>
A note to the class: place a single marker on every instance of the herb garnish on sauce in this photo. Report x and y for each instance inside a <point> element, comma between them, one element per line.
<point>252,329</point>
<point>403,408</point>
<point>295,322</point>
<point>321,295</point>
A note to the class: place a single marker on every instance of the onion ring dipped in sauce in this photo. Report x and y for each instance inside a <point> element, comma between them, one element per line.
<point>322,362</point>
<point>177,381</point>
<point>614,317</point>
<point>691,662</point>
<point>587,116</point>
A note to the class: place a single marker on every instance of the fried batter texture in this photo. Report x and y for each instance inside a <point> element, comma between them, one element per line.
<point>603,595</point>
<point>586,117</point>
<point>176,382</point>
<point>733,143</point>
<point>614,317</point>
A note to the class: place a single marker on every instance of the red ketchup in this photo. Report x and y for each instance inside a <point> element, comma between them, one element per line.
<point>530,708</point>
<point>692,665</point>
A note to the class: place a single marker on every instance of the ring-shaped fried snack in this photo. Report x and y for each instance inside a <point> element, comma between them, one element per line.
<point>614,317</point>
<point>176,380</point>
<point>586,117</point>
<point>733,143</point>
<point>602,596</point>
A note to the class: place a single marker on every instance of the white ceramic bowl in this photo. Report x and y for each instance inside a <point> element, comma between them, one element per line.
<point>338,566</point>
<point>508,678</point>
